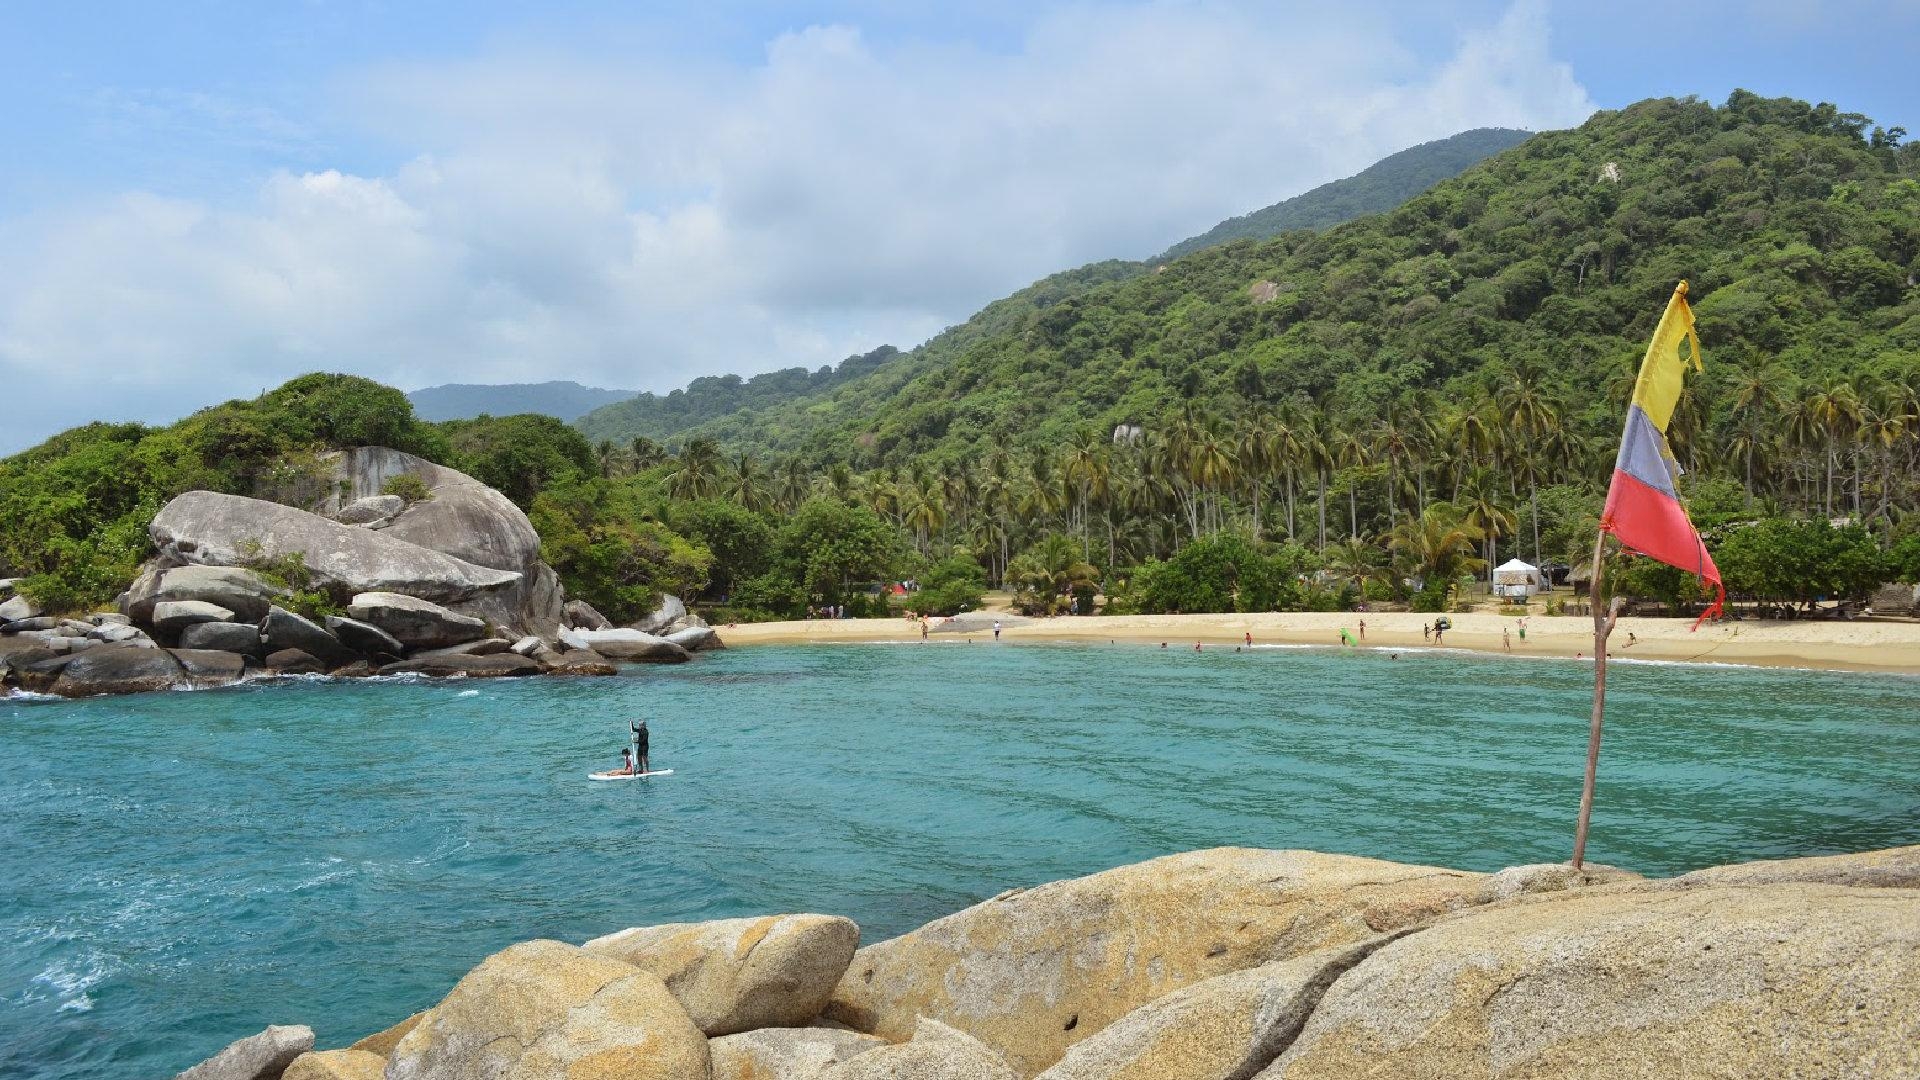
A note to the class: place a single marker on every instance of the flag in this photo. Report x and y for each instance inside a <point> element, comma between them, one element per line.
<point>1643,504</point>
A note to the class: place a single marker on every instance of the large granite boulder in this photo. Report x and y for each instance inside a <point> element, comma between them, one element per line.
<point>467,520</point>
<point>786,1053</point>
<point>241,591</point>
<point>543,1010</point>
<point>364,638</point>
<point>283,629</point>
<point>382,1042</point>
<point>577,662</point>
<point>1748,981</point>
<point>239,638</point>
<point>119,669</point>
<point>18,608</point>
<point>1536,878</point>
<point>206,667</point>
<point>626,645</point>
<point>671,610</point>
<point>295,662</point>
<point>734,975</point>
<point>1891,868</point>
<point>211,529</point>
<point>936,1052</point>
<point>170,617</point>
<point>36,669</point>
<point>257,1057</point>
<point>580,615</point>
<point>446,665</point>
<point>374,511</point>
<point>117,632</point>
<point>337,1065</point>
<point>1225,1028</point>
<point>695,638</point>
<point>416,623</point>
<point>1033,972</point>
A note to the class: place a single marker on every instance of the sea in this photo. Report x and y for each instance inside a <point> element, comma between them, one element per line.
<point>178,870</point>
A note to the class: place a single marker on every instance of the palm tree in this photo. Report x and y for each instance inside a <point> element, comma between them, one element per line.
<point>1756,396</point>
<point>748,484</point>
<point>1436,544</point>
<point>793,485</point>
<point>698,473</point>
<point>1485,516</point>
<point>1355,560</point>
<point>1317,452</point>
<point>1087,472</point>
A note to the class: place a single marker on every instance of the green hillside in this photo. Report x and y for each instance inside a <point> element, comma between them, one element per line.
<point>464,401</point>
<point>1376,189</point>
<point>660,416</point>
<point>1798,230</point>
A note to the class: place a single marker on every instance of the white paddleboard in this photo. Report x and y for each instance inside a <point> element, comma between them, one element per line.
<point>628,776</point>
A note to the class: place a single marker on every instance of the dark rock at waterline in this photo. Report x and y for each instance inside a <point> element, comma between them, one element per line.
<point>38,622</point>
<point>483,647</point>
<point>257,1057</point>
<point>364,637</point>
<point>494,666</point>
<point>416,623</point>
<point>118,669</point>
<point>579,662</point>
<point>295,662</point>
<point>209,667</point>
<point>241,638</point>
<point>283,629</point>
<point>14,661</point>
<point>359,669</point>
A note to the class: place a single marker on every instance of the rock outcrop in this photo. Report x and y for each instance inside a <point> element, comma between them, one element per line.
<point>118,669</point>
<point>626,645</point>
<point>171,617</point>
<point>416,623</point>
<point>1747,981</point>
<point>498,665</point>
<point>283,629</point>
<point>337,1065</point>
<point>1035,971</point>
<point>240,638</point>
<point>734,975</point>
<point>580,615</point>
<point>671,610</point>
<point>544,1010</point>
<point>257,1057</point>
<point>936,1052</point>
<point>786,1053</point>
<point>241,591</point>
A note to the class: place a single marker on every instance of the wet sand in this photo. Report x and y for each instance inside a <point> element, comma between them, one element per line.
<point>1860,645</point>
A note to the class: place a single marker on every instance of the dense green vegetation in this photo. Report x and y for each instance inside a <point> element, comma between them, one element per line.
<point>1377,411</point>
<point>654,416</point>
<point>464,401</point>
<point>1380,187</point>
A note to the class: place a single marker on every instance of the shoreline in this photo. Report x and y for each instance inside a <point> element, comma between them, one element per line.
<point>1883,647</point>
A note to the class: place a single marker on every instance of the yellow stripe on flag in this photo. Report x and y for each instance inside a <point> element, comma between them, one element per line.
<point>1663,371</point>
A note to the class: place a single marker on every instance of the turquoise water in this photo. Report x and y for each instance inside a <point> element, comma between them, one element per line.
<point>178,870</point>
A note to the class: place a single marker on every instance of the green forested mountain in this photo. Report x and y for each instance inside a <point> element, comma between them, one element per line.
<point>1376,189</point>
<point>660,416</point>
<point>464,401</point>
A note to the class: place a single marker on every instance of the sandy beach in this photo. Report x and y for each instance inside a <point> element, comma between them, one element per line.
<point>1864,645</point>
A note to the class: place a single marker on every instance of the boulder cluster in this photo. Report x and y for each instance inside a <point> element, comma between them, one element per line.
<point>1226,964</point>
<point>449,584</point>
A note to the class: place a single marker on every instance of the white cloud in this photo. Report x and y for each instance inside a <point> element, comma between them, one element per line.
<point>639,221</point>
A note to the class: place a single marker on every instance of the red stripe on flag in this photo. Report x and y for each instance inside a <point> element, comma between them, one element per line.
<point>1653,523</point>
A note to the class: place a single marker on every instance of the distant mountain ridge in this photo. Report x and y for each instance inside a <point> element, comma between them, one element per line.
<point>1379,187</point>
<point>463,401</point>
<point>710,397</point>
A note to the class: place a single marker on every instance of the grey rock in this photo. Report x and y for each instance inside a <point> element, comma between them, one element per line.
<point>528,645</point>
<point>499,665</point>
<point>8,585</point>
<point>170,617</point>
<point>39,673</point>
<point>226,637</point>
<point>416,623</point>
<point>786,1053</point>
<point>283,629</point>
<point>18,608</point>
<point>208,667</point>
<point>626,645</point>
<point>483,647</point>
<point>257,1057</point>
<point>577,662</point>
<point>20,654</point>
<point>108,618</point>
<point>119,669</point>
<point>364,637</point>
<point>670,609</point>
<point>37,622</point>
<point>210,529</point>
<point>76,627</point>
<point>359,669</point>
<point>45,639</point>
<point>113,632</point>
<point>580,615</point>
<point>241,591</point>
<point>696,638</point>
<point>295,662</point>
<point>374,509</point>
<point>1536,878</point>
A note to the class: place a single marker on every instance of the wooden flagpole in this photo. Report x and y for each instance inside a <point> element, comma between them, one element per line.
<point>1602,628</point>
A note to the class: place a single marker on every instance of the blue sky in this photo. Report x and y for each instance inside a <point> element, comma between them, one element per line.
<point>201,199</point>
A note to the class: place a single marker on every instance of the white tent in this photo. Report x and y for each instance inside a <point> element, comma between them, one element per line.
<point>1516,578</point>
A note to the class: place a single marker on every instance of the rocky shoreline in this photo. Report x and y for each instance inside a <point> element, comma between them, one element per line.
<point>1224,964</point>
<point>447,583</point>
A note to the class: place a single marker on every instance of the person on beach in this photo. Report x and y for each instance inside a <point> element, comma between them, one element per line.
<point>1363,629</point>
<point>1249,639</point>
<point>1346,638</point>
<point>1506,639</point>
<point>923,629</point>
<point>639,729</point>
<point>1439,628</point>
<point>996,629</point>
<point>1426,631</point>
<point>1631,640</point>
<point>1523,631</point>
<point>1196,646</point>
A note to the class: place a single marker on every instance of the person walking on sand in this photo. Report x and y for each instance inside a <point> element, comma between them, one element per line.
<point>1506,639</point>
<point>1523,631</point>
<point>923,629</point>
<point>1426,631</point>
<point>1249,639</point>
<point>996,629</point>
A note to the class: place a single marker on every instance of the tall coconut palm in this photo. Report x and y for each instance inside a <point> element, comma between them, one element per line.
<point>697,473</point>
<point>1436,543</point>
<point>1485,516</point>
<point>748,483</point>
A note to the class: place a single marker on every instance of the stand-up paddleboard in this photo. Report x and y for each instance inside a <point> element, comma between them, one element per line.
<point>628,776</point>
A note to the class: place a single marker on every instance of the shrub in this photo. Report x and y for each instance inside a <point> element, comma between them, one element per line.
<point>409,487</point>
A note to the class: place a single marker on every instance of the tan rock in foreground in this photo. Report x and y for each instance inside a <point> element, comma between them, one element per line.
<point>336,1065</point>
<point>1766,981</point>
<point>786,1053</point>
<point>383,1042</point>
<point>1225,1028</point>
<point>936,1052</point>
<point>1890,868</point>
<point>734,975</point>
<point>544,1010</point>
<point>1034,972</point>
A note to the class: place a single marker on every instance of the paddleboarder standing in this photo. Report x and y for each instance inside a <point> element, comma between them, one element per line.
<point>639,729</point>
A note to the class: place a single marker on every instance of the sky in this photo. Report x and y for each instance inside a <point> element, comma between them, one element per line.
<point>202,199</point>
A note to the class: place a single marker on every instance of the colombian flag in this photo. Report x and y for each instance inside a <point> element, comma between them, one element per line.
<point>1643,508</point>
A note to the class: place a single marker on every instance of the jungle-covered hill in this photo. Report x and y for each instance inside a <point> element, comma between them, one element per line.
<point>1382,186</point>
<point>463,401</point>
<point>1797,225</point>
<point>1376,189</point>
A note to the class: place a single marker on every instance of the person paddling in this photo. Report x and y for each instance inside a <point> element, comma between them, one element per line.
<point>639,729</point>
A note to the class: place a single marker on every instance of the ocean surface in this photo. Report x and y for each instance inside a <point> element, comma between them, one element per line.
<point>178,870</point>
